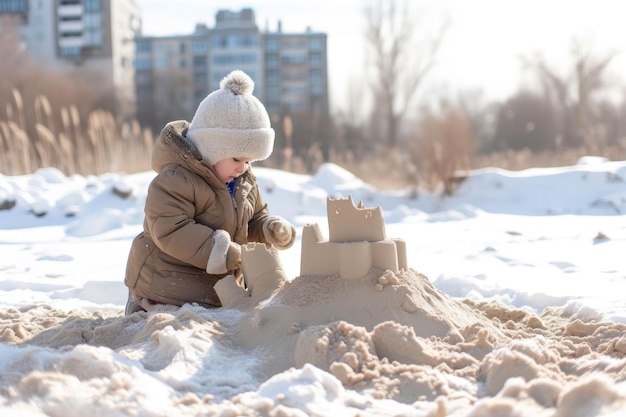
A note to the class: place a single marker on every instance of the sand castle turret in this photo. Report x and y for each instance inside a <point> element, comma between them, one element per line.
<point>356,243</point>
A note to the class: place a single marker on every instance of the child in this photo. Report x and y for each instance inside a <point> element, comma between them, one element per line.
<point>204,201</point>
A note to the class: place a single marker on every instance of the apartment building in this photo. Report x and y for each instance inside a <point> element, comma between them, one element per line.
<point>163,78</point>
<point>174,73</point>
<point>296,72</point>
<point>92,37</point>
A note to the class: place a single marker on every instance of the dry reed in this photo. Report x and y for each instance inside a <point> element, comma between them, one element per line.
<point>100,145</point>
<point>103,144</point>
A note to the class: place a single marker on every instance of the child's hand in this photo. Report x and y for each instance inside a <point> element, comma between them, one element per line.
<point>279,232</point>
<point>233,257</point>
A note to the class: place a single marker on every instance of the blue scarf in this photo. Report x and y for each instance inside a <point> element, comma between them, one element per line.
<point>231,187</point>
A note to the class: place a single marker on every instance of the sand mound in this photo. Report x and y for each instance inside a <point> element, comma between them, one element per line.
<point>374,341</point>
<point>398,308</point>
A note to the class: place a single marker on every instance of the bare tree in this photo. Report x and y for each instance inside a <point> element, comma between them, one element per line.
<point>352,136</point>
<point>526,120</point>
<point>401,60</point>
<point>574,93</point>
<point>445,147</point>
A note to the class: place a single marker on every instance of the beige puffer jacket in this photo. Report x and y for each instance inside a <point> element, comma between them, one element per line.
<point>186,203</point>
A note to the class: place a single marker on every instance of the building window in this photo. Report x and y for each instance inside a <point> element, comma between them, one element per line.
<point>315,60</point>
<point>235,41</point>
<point>144,47</point>
<point>143,63</point>
<point>93,38</point>
<point>293,58</point>
<point>91,20</point>
<point>182,48</point>
<point>92,29</point>
<point>70,51</point>
<point>272,45</point>
<point>316,44</point>
<point>199,63</point>
<point>244,41</point>
<point>199,47</point>
<point>316,76</point>
<point>239,59</point>
<point>162,62</point>
<point>271,61</point>
<point>219,42</point>
<point>92,5</point>
<point>14,6</point>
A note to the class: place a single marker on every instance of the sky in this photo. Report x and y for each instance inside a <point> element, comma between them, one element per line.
<point>482,48</point>
<point>539,252</point>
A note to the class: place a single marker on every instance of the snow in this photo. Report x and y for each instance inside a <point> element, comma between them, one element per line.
<point>533,240</point>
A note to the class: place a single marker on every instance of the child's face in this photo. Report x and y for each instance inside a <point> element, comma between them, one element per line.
<point>230,168</point>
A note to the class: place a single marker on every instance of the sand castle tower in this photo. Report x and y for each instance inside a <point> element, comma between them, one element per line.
<point>356,243</point>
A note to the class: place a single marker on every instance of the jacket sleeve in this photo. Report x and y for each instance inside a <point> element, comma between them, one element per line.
<point>170,211</point>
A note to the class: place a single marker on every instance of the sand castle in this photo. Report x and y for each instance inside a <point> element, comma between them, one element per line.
<point>356,244</point>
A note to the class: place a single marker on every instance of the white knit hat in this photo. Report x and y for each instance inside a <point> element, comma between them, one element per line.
<point>231,122</point>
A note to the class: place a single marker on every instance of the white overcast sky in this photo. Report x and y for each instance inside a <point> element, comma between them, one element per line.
<point>481,50</point>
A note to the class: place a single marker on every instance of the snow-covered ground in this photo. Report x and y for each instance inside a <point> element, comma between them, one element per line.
<point>545,242</point>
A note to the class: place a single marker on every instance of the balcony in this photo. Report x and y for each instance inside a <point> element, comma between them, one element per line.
<point>70,10</point>
<point>71,26</point>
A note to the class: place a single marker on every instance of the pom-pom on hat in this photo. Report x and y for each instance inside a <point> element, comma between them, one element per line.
<point>231,122</point>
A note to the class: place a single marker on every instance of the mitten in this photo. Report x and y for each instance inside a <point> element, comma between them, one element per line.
<point>233,257</point>
<point>225,255</point>
<point>279,232</point>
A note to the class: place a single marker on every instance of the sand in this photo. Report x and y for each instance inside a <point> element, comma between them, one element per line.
<point>453,353</point>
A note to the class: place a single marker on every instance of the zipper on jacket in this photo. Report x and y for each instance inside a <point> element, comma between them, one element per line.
<point>232,191</point>
<point>232,197</point>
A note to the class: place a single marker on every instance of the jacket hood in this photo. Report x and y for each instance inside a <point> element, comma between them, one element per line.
<point>173,147</point>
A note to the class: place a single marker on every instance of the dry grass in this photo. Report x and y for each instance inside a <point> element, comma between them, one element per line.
<point>518,160</point>
<point>395,170</point>
<point>100,144</point>
<point>95,146</point>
